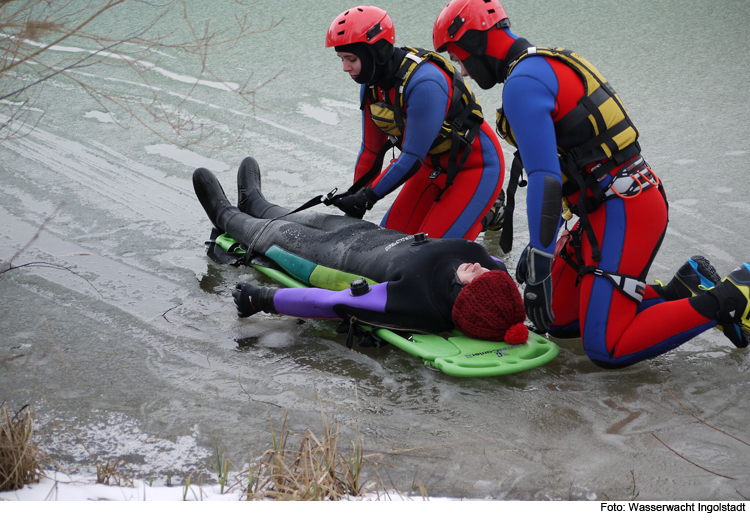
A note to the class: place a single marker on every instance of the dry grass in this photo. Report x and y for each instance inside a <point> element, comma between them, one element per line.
<point>309,467</point>
<point>20,459</point>
<point>107,473</point>
<point>317,470</point>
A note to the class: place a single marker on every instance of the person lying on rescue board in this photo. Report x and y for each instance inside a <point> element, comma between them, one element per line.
<point>580,151</point>
<point>451,164</point>
<point>412,282</point>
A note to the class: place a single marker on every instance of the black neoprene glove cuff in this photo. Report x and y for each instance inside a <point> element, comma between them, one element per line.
<point>534,268</point>
<point>251,299</point>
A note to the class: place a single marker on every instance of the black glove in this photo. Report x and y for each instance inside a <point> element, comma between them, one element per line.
<point>535,269</point>
<point>247,297</point>
<point>251,299</point>
<point>357,204</point>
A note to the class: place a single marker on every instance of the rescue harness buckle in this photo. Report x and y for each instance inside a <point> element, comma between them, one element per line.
<point>631,286</point>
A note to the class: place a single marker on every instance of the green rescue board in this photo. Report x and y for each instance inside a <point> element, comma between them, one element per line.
<point>457,355</point>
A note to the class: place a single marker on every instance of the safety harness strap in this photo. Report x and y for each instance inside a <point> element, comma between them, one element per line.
<point>457,141</point>
<point>581,209</point>
<point>516,169</point>
<point>464,118</point>
<point>631,286</point>
<point>518,48</point>
<point>365,179</point>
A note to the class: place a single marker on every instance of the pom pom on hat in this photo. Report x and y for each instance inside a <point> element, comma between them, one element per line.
<point>517,334</point>
<point>491,308</point>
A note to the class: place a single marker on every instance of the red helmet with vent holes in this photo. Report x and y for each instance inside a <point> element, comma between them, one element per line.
<point>460,16</point>
<point>367,24</point>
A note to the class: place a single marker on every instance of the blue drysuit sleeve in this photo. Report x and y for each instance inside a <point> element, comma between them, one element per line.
<point>427,98</point>
<point>529,101</point>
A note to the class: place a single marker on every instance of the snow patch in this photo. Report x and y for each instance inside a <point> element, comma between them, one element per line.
<point>102,117</point>
<point>327,117</point>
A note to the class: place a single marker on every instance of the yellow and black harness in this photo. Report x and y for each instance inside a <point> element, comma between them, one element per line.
<point>461,124</point>
<point>613,143</point>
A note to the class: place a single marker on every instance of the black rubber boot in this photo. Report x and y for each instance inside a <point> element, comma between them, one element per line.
<point>696,276</point>
<point>213,199</point>
<point>250,200</point>
<point>732,297</point>
<point>226,217</point>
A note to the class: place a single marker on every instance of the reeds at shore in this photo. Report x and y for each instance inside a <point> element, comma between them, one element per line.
<point>317,470</point>
<point>20,458</point>
<point>321,467</point>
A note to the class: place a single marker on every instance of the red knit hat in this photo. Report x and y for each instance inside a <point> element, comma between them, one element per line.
<point>491,308</point>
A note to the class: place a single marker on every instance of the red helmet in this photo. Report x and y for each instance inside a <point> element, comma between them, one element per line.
<point>367,24</point>
<point>459,16</point>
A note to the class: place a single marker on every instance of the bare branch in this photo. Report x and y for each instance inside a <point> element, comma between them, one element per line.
<point>43,264</point>
<point>686,459</point>
<point>36,235</point>
<point>23,26</point>
<point>67,33</point>
<point>702,421</point>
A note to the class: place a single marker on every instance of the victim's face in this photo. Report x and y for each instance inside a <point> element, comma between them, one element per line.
<point>468,272</point>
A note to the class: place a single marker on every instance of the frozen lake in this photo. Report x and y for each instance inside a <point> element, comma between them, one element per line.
<point>130,345</point>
